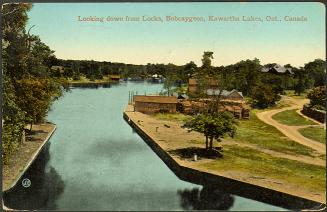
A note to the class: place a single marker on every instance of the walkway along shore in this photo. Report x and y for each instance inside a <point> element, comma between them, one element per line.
<point>26,154</point>
<point>191,172</point>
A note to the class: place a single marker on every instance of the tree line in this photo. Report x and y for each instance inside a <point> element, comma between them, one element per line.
<point>245,76</point>
<point>28,85</point>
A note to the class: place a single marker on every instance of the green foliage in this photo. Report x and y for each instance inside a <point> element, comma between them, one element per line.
<point>206,68</point>
<point>13,121</point>
<point>318,97</point>
<point>302,81</point>
<point>316,71</point>
<point>212,126</point>
<point>29,86</point>
<point>263,96</point>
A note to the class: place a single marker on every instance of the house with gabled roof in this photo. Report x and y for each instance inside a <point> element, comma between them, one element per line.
<point>232,95</point>
<point>277,69</point>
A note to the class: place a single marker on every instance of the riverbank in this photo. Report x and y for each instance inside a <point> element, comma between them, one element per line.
<point>26,154</point>
<point>258,180</point>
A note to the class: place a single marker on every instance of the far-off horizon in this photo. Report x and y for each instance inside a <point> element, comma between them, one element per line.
<point>164,106</point>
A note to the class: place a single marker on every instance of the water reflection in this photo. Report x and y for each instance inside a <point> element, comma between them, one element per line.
<point>205,199</point>
<point>46,184</point>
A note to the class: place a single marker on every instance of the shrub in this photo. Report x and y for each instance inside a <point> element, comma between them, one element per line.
<point>263,96</point>
<point>317,97</point>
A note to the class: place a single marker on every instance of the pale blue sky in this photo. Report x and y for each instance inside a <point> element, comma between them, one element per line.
<point>177,42</point>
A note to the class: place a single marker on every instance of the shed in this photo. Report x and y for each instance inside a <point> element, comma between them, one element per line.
<point>155,104</point>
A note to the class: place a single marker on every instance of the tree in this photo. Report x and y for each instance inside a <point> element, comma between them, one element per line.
<point>248,75</point>
<point>317,97</point>
<point>263,96</point>
<point>14,65</point>
<point>35,98</point>
<point>189,70</point>
<point>26,76</point>
<point>206,68</point>
<point>316,71</point>
<point>212,126</point>
<point>300,84</point>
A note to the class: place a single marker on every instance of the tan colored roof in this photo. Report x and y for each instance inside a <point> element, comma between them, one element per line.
<point>156,99</point>
<point>212,82</point>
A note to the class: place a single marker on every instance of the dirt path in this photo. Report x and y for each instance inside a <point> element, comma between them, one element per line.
<point>292,131</point>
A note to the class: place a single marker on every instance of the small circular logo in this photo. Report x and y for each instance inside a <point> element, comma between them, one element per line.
<point>26,183</point>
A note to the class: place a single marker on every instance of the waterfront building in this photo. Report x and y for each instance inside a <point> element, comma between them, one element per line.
<point>155,104</point>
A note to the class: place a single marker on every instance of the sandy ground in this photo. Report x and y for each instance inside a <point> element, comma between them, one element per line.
<point>24,154</point>
<point>292,131</point>
<point>175,137</point>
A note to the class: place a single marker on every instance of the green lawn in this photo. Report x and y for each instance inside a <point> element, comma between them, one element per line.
<point>314,133</point>
<point>261,164</point>
<point>172,116</point>
<point>254,131</point>
<point>292,118</point>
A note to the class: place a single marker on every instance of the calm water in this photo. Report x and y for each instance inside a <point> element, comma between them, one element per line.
<point>94,161</point>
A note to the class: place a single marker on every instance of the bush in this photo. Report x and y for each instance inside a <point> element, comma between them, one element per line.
<point>263,96</point>
<point>317,97</point>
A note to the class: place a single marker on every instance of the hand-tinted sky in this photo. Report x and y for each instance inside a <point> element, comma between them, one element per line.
<point>178,42</point>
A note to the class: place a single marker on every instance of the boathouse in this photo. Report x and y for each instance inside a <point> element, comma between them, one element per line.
<point>155,104</point>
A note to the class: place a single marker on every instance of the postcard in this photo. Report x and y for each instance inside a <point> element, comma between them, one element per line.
<point>164,106</point>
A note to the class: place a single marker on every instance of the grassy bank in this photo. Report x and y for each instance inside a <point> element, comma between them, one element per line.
<point>292,118</point>
<point>314,133</point>
<point>171,116</point>
<point>255,162</point>
<point>254,131</point>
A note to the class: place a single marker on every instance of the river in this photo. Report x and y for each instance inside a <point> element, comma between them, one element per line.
<point>94,161</point>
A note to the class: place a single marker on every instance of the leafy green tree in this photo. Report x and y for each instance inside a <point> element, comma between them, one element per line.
<point>212,126</point>
<point>301,79</point>
<point>206,68</point>
<point>248,75</point>
<point>26,76</point>
<point>263,96</point>
<point>35,97</point>
<point>14,65</point>
<point>189,70</point>
<point>317,97</point>
<point>316,71</point>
